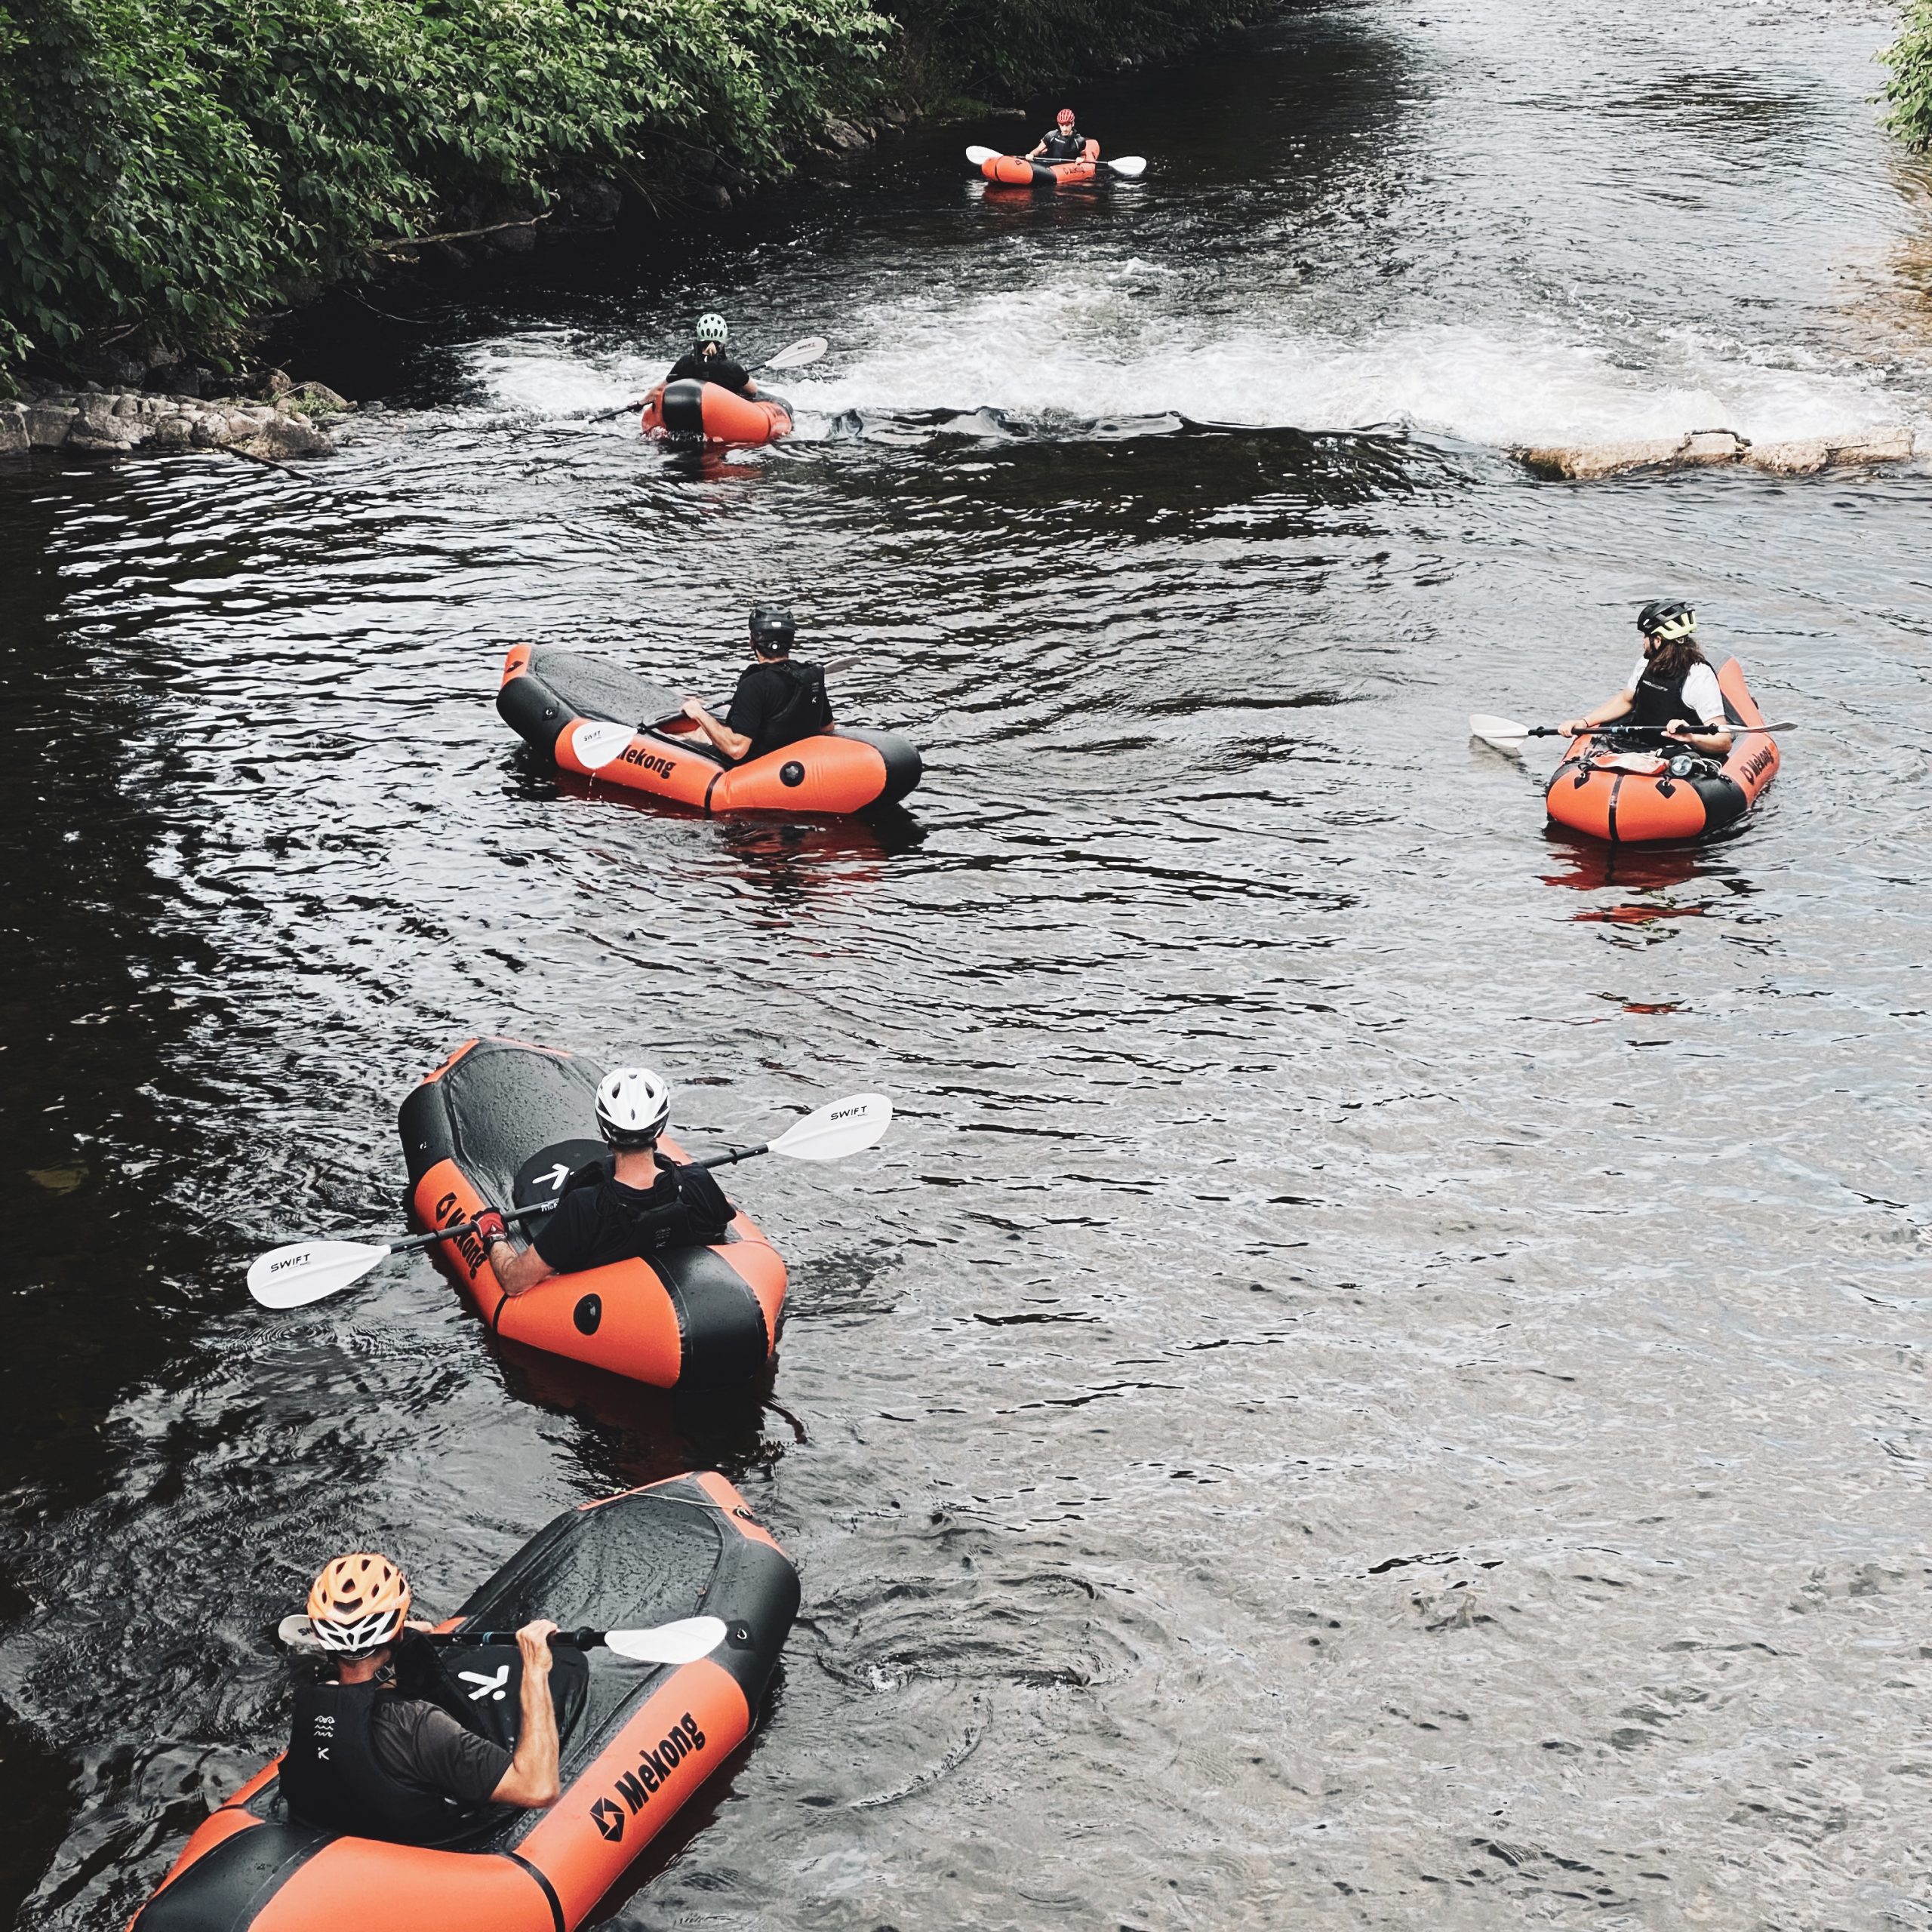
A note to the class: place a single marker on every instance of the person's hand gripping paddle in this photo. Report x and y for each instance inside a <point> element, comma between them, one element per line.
<point>306,1271</point>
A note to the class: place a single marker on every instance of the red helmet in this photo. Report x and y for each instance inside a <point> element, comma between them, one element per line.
<point>1065,117</point>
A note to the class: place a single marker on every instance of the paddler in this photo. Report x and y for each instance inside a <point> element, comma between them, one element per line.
<point>705,361</point>
<point>779,699</point>
<point>637,1205</point>
<point>1063,141</point>
<point>367,1759</point>
<point>1673,690</point>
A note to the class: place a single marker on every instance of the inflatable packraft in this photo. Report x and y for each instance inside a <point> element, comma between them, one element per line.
<point>502,1125</point>
<point>638,1739</point>
<point>1015,170</point>
<point>600,720</point>
<point>708,412</point>
<point>1608,789</point>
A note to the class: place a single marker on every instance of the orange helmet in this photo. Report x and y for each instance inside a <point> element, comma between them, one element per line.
<point>358,1603</point>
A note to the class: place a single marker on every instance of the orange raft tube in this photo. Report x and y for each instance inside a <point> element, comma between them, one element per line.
<point>602,722</point>
<point>503,1125</point>
<point>639,1739</point>
<point>1015,170</point>
<point>710,413</point>
<point>1605,789</point>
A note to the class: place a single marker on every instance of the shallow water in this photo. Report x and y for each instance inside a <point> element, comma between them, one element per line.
<point>1379,1375</point>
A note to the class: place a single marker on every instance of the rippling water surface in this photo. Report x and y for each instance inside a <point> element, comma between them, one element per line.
<point>1380,1379</point>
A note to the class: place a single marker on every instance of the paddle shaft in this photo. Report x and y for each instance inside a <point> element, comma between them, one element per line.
<point>1643,731</point>
<point>545,1207</point>
<point>632,408</point>
<point>584,1639</point>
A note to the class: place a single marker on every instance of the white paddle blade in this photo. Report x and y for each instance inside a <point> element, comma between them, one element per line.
<point>1503,731</point>
<point>595,742</point>
<point>306,1271</point>
<point>298,1633</point>
<point>670,1643</point>
<point>808,348</point>
<point>979,157</point>
<point>1130,167</point>
<point>836,1129</point>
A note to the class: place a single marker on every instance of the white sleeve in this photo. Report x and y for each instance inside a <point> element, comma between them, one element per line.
<point>1636,677</point>
<point>1704,696</point>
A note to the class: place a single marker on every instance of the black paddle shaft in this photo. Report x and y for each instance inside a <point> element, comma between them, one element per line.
<point>466,1228</point>
<point>585,1639</point>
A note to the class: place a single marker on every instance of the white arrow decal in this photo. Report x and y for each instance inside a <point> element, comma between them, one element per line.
<point>554,1179</point>
<point>487,1686</point>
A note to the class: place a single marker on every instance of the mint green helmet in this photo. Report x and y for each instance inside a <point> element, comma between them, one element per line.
<point>713,328</point>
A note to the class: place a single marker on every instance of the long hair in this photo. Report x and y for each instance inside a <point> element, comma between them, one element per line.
<point>1673,659</point>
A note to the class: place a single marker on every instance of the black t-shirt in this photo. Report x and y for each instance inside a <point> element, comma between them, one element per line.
<point>1072,146</point>
<point>777,704</point>
<point>422,1746</point>
<point>699,367</point>
<point>604,1221</point>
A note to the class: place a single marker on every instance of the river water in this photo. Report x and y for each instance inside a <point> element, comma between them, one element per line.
<point>1381,1377</point>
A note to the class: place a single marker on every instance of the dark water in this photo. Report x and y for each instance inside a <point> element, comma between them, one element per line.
<point>1380,1379</point>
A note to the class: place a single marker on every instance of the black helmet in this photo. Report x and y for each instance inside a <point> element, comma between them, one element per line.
<point>1667,620</point>
<point>772,629</point>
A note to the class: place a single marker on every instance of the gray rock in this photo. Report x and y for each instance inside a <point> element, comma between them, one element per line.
<point>49,421</point>
<point>13,430</point>
<point>173,433</point>
<point>321,398</point>
<point>844,135</point>
<point>1808,456</point>
<point>210,430</point>
<point>283,435</point>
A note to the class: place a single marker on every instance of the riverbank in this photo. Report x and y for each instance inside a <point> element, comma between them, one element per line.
<point>177,176</point>
<point>292,422</point>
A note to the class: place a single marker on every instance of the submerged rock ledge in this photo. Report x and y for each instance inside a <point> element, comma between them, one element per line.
<point>113,422</point>
<point>1705,449</point>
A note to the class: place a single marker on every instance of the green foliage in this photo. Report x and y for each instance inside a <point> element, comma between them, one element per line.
<point>168,167</point>
<point>1910,91</point>
<point>1005,48</point>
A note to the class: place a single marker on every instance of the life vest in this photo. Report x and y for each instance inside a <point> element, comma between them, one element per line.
<point>1069,146</point>
<point>331,1777</point>
<point>802,715</point>
<point>1659,699</point>
<point>694,1213</point>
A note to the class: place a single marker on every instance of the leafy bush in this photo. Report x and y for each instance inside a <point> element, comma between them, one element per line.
<point>169,168</point>
<point>1910,91</point>
<point>1006,48</point>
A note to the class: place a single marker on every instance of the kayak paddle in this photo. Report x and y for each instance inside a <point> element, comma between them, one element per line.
<point>303,1271</point>
<point>1506,734</point>
<point>1129,167</point>
<point>682,1642</point>
<point>794,355</point>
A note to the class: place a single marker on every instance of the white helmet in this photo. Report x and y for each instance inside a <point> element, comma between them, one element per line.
<point>712,327</point>
<point>633,1107</point>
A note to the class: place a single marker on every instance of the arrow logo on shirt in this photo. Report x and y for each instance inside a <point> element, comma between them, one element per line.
<point>555,1178</point>
<point>487,1686</point>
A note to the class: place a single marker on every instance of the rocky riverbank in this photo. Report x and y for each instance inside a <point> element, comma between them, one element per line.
<point>290,422</point>
<point>1707,449</point>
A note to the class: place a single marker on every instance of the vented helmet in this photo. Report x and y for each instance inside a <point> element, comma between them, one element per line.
<point>713,328</point>
<point>359,1603</point>
<point>773,629</point>
<point>633,1107</point>
<point>1065,117</point>
<point>1667,621</point>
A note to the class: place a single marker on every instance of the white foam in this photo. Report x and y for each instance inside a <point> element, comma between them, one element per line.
<point>1085,354</point>
<point>1066,354</point>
